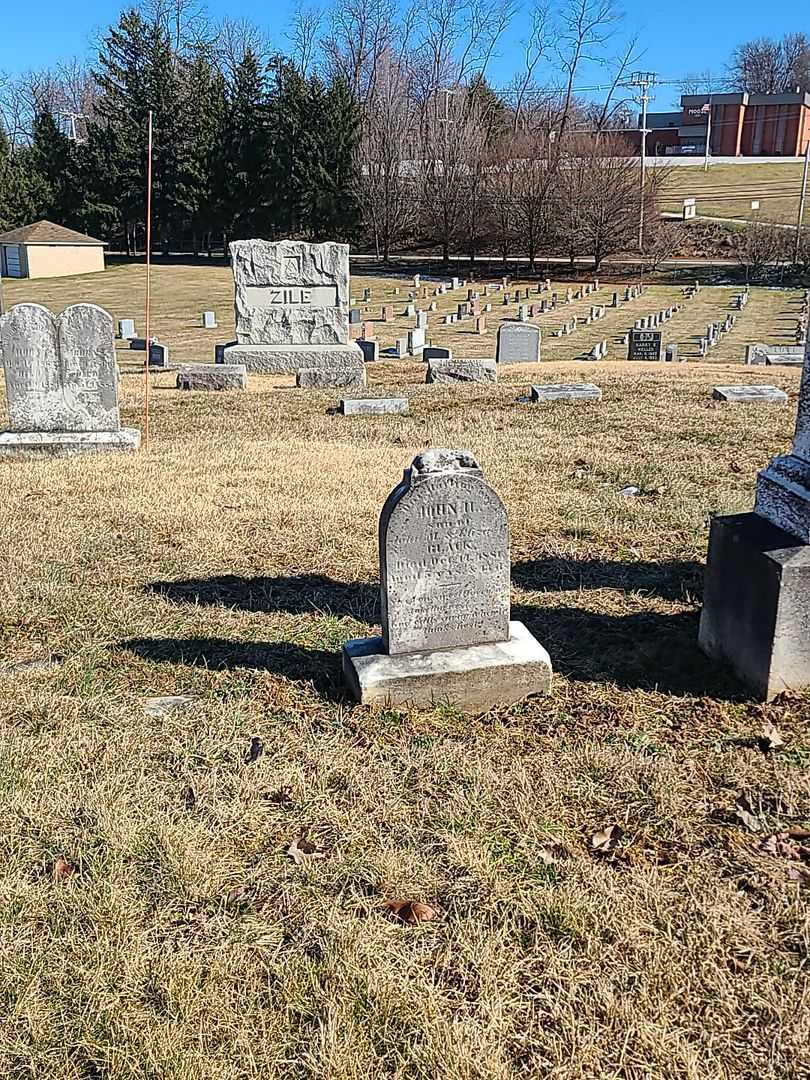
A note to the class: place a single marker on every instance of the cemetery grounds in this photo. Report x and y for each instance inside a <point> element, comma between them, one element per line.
<point>154,922</point>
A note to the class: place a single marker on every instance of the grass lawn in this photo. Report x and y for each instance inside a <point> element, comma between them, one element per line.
<point>728,191</point>
<point>229,565</point>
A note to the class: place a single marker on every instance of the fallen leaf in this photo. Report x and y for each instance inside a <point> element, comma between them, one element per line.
<point>280,797</point>
<point>781,846</point>
<point>799,873</point>
<point>770,738</point>
<point>745,813</point>
<point>63,868</point>
<point>256,750</point>
<point>549,856</point>
<point>302,850</point>
<point>607,839</point>
<point>411,912</point>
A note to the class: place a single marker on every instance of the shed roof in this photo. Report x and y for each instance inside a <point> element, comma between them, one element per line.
<point>45,232</point>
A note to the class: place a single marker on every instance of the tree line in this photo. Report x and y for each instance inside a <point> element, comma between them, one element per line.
<point>373,126</point>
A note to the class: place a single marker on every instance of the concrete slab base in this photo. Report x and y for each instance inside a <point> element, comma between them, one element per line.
<point>472,677</point>
<point>66,443</point>
<point>756,604</point>
<point>290,359</point>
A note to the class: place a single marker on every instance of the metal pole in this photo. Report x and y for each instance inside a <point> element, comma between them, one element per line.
<point>148,284</point>
<point>802,201</point>
<point>644,99</point>
<point>708,136</point>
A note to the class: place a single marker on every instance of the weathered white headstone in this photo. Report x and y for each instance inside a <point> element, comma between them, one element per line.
<point>566,392</point>
<point>209,320</point>
<point>445,581</point>
<point>518,343</point>
<point>767,395</point>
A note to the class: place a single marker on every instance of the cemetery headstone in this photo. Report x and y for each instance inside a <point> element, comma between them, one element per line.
<point>292,306</point>
<point>518,343</point>
<point>756,600</point>
<point>671,354</point>
<point>316,378</point>
<point>764,395</point>
<point>766,355</point>
<point>644,345</point>
<point>126,329</point>
<point>61,382</point>
<point>370,349</point>
<point>416,340</point>
<point>444,584</point>
<point>209,320</point>
<point>212,377</point>
<point>455,371</point>
<point>566,392</point>
<point>373,406</point>
<point>219,351</point>
<point>436,352</point>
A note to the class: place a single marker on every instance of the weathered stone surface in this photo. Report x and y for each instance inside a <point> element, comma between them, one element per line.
<point>68,443</point>
<point>518,343</point>
<point>291,292</point>
<point>212,377</point>
<point>783,488</point>
<point>768,355</point>
<point>209,320</point>
<point>566,392</point>
<point>472,677</point>
<point>288,359</point>
<point>312,378</point>
<point>444,557</point>
<point>449,371</point>
<point>126,329</point>
<point>61,374</point>
<point>756,604</point>
<point>767,395</point>
<point>373,406</point>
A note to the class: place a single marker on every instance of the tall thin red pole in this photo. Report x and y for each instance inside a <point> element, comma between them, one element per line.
<point>148,284</point>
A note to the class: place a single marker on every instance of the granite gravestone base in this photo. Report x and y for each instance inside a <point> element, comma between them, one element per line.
<point>212,377</point>
<point>61,383</point>
<point>445,580</point>
<point>291,307</point>
<point>756,609</point>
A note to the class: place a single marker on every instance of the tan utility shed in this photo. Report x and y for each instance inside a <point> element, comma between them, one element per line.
<point>47,250</point>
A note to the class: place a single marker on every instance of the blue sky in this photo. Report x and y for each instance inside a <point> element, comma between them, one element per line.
<point>678,38</point>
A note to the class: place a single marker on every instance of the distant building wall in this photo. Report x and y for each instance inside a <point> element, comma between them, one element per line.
<point>60,260</point>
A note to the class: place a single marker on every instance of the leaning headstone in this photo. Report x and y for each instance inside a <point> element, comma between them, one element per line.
<point>212,377</point>
<point>566,392</point>
<point>765,395</point>
<point>373,406</point>
<point>61,382</point>
<point>314,378</point>
<point>209,320</point>
<point>756,600</point>
<point>518,343</point>
<point>444,583</point>
<point>291,306</point>
<point>126,329</point>
<point>455,371</point>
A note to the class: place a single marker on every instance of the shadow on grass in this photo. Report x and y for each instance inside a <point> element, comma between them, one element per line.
<point>301,594</point>
<point>296,662</point>
<point>675,580</point>
<point>642,651</point>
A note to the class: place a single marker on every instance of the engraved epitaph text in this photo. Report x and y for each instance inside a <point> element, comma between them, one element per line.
<point>444,553</point>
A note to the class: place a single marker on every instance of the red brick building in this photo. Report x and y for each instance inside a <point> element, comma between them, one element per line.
<point>742,125</point>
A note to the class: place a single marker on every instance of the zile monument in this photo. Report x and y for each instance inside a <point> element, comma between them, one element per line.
<point>444,581</point>
<point>292,307</point>
<point>756,609</point>
<point>61,382</point>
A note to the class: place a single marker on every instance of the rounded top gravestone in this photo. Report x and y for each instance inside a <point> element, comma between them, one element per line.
<point>444,557</point>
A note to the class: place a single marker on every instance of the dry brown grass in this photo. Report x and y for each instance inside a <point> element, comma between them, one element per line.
<point>230,564</point>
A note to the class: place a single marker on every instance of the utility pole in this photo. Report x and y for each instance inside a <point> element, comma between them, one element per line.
<point>707,108</point>
<point>644,80</point>
<point>802,200</point>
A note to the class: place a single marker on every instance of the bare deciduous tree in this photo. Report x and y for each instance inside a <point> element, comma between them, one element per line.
<point>768,66</point>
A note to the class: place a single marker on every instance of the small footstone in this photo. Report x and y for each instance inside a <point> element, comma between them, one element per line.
<point>566,392</point>
<point>158,707</point>
<point>766,395</point>
<point>312,378</point>
<point>450,371</point>
<point>212,377</point>
<point>373,406</point>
